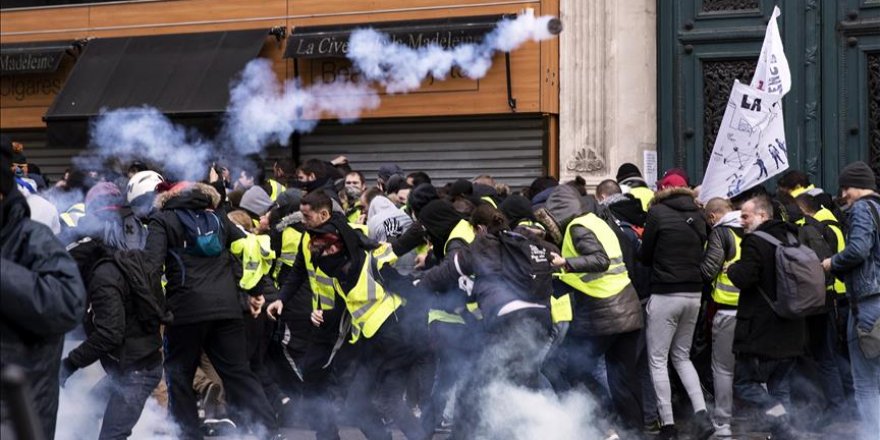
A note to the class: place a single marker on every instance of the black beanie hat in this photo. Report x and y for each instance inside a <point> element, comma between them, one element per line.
<point>626,171</point>
<point>857,175</point>
<point>7,181</point>
<point>461,187</point>
<point>420,196</point>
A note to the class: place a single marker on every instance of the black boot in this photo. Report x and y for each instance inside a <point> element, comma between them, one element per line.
<point>703,427</point>
<point>668,432</point>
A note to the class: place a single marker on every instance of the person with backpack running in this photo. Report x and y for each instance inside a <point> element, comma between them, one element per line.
<point>859,265</point>
<point>512,286</point>
<point>192,242</point>
<point>765,344</point>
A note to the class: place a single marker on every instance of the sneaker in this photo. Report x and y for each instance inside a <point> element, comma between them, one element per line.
<point>210,402</point>
<point>611,435</point>
<point>703,427</point>
<point>667,432</point>
<point>723,431</point>
<point>651,428</point>
<point>218,427</point>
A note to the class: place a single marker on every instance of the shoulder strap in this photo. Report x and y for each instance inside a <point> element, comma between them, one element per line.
<point>767,237</point>
<point>690,222</point>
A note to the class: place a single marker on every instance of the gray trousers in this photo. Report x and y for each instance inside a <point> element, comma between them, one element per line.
<point>671,322</point>
<point>723,362</point>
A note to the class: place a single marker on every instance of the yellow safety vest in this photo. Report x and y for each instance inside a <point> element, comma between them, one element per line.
<point>73,214</point>
<point>354,214</point>
<point>531,224</point>
<point>256,256</point>
<point>724,292</point>
<point>824,215</point>
<point>277,189</point>
<point>800,190</point>
<point>598,285</point>
<point>368,303</point>
<point>560,308</point>
<point>361,228</point>
<point>490,201</point>
<point>643,194</point>
<point>290,240</point>
<point>323,290</point>
<point>462,231</point>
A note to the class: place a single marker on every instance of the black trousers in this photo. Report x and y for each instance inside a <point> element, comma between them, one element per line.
<point>224,343</point>
<point>621,357</point>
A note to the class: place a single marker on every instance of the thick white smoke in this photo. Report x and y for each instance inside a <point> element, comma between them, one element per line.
<point>521,414</point>
<point>401,69</point>
<point>144,133</point>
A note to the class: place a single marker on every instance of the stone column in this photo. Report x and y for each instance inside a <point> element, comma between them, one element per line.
<point>608,86</point>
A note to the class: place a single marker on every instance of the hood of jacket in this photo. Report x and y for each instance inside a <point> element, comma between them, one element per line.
<point>731,219</point>
<point>564,204</point>
<point>625,207</point>
<point>678,198</point>
<point>384,215</point>
<point>189,196</point>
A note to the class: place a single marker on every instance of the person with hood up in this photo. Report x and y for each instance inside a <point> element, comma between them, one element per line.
<point>723,249</point>
<point>672,244</point>
<point>203,297</point>
<point>385,222</point>
<point>42,295</point>
<point>109,220</point>
<point>630,179</point>
<point>517,321</point>
<point>606,312</point>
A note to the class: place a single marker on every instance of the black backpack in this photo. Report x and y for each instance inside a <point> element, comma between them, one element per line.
<point>202,232</point>
<point>145,289</point>
<point>526,264</point>
<point>814,235</point>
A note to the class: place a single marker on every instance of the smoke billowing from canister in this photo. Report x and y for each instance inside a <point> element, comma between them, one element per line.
<point>401,69</point>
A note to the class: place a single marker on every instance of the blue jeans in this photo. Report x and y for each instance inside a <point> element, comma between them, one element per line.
<point>866,372</point>
<point>751,371</point>
<point>127,392</point>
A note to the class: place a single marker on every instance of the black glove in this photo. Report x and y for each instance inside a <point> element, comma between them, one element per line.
<point>67,368</point>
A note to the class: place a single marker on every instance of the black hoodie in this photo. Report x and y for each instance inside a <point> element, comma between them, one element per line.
<point>673,242</point>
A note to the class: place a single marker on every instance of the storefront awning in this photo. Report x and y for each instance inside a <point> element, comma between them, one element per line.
<point>332,41</point>
<point>29,58</point>
<point>181,75</point>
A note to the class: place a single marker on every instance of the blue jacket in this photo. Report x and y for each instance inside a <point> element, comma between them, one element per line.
<point>859,261</point>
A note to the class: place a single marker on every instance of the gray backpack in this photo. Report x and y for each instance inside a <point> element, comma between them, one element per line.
<point>800,279</point>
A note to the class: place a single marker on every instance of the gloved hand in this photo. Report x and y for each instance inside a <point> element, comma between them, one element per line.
<point>67,368</point>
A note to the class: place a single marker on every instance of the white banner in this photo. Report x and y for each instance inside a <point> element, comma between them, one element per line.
<point>750,147</point>
<point>772,74</point>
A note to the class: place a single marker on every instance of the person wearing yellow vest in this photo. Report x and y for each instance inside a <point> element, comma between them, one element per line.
<point>517,321</point>
<point>606,311</point>
<point>631,181</point>
<point>71,215</point>
<point>722,250</point>
<point>826,346</point>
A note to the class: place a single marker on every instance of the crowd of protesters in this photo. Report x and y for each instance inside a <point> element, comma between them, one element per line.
<point>255,299</point>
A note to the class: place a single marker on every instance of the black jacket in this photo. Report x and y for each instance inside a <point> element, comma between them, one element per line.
<point>759,331</point>
<point>209,290</point>
<point>673,241</point>
<point>42,297</point>
<point>115,335</point>
<point>627,208</point>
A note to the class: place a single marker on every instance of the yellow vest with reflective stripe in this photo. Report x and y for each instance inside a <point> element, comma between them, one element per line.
<point>800,190</point>
<point>256,256</point>
<point>724,292</point>
<point>368,303</point>
<point>825,215</point>
<point>277,189</point>
<point>361,228</point>
<point>598,285</point>
<point>462,231</point>
<point>290,240</point>
<point>560,308</point>
<point>323,291</point>
<point>73,214</point>
<point>354,214</point>
<point>531,224</point>
<point>643,194</point>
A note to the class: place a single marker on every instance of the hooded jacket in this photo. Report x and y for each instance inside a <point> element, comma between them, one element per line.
<point>617,314</point>
<point>673,242</point>
<point>759,331</point>
<point>43,297</point>
<point>626,207</point>
<point>385,220</point>
<point>199,289</point>
<point>721,246</point>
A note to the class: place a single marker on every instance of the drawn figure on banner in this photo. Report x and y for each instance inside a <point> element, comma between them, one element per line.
<point>760,163</point>
<point>781,145</point>
<point>737,159</point>
<point>735,184</point>
<point>778,156</point>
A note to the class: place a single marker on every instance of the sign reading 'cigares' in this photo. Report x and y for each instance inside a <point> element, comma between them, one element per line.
<point>332,41</point>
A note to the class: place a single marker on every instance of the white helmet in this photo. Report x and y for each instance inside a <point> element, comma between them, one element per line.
<point>142,183</point>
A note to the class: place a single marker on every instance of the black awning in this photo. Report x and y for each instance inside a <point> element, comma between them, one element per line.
<point>180,74</point>
<point>332,41</point>
<point>26,58</point>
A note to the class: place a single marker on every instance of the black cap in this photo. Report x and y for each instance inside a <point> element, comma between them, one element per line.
<point>626,171</point>
<point>857,175</point>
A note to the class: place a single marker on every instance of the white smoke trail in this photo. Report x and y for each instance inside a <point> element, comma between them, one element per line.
<point>144,133</point>
<point>401,69</point>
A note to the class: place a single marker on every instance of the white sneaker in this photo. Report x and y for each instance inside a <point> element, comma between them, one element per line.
<point>722,431</point>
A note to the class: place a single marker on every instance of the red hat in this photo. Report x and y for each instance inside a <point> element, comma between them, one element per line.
<point>672,181</point>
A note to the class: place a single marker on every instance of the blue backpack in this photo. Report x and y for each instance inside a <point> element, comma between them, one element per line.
<point>202,232</point>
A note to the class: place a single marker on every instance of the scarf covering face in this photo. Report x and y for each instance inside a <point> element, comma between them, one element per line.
<point>439,219</point>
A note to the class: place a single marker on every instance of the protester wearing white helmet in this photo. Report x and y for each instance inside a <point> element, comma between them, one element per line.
<point>140,191</point>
